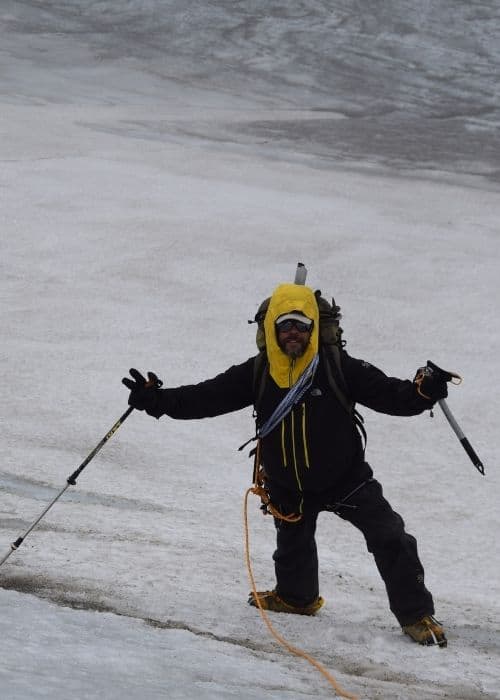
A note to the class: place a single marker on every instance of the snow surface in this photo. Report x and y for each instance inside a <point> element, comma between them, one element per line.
<point>164,167</point>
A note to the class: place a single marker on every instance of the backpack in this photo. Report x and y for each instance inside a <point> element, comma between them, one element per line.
<point>330,344</point>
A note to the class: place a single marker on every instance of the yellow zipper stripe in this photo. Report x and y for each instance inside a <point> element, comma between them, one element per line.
<point>283,448</point>
<point>304,437</point>
<point>294,450</point>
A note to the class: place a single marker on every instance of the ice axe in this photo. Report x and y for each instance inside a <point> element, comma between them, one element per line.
<point>454,378</point>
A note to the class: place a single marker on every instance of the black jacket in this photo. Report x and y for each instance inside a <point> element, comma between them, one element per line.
<point>316,452</point>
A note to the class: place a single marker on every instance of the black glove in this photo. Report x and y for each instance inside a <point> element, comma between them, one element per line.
<point>431,382</point>
<point>144,394</point>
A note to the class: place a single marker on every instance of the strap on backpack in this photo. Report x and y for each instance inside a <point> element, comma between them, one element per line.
<point>260,370</point>
<point>332,362</point>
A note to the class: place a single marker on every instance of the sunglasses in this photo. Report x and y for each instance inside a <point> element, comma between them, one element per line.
<point>287,325</point>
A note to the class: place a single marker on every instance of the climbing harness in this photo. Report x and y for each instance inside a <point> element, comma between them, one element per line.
<point>259,489</point>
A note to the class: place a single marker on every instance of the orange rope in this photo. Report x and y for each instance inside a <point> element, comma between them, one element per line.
<point>272,510</point>
<point>292,649</point>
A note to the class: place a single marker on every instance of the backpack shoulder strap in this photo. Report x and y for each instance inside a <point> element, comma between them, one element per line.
<point>260,367</point>
<point>335,376</point>
<point>338,384</point>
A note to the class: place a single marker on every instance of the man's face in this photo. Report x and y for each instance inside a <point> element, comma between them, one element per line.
<point>293,338</point>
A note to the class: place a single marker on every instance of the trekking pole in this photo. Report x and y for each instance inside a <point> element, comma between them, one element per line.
<point>449,377</point>
<point>70,481</point>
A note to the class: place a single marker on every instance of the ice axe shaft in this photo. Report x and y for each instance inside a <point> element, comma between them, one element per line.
<point>460,435</point>
<point>454,379</point>
<point>70,481</point>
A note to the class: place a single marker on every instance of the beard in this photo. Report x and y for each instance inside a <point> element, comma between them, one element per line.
<point>294,348</point>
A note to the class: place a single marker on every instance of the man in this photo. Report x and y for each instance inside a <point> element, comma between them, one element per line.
<point>312,455</point>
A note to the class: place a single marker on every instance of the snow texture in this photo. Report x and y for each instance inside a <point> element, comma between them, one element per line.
<point>164,166</point>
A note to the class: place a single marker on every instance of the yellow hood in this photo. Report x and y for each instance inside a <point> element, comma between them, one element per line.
<point>286,298</point>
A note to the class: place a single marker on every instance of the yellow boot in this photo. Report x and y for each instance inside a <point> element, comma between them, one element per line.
<point>270,600</point>
<point>427,631</point>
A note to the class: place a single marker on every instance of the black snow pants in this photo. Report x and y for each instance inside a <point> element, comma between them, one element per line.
<point>394,551</point>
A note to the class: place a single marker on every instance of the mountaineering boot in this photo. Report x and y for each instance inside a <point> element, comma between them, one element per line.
<point>427,631</point>
<point>270,600</point>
